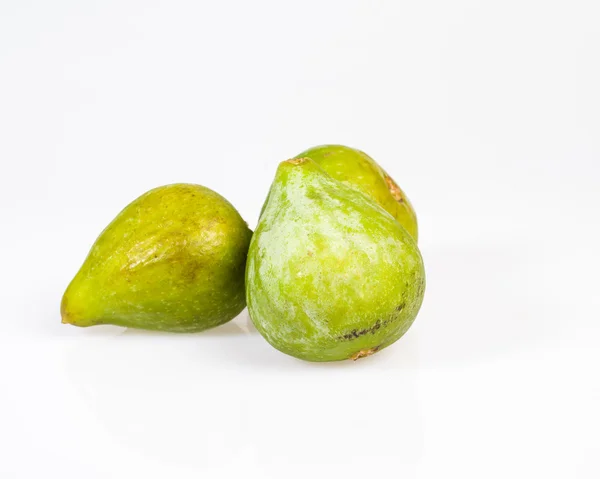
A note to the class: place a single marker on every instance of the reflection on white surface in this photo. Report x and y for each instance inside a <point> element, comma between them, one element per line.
<point>202,399</point>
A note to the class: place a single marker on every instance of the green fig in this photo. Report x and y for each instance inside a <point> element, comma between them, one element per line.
<point>172,260</point>
<point>330,274</point>
<point>360,171</point>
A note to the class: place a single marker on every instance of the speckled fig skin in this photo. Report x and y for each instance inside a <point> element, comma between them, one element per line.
<point>330,274</point>
<point>172,260</point>
<point>360,171</point>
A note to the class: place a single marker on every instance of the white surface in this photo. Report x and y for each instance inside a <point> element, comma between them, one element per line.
<point>486,113</point>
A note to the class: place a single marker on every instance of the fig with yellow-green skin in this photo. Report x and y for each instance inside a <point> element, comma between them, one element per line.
<point>330,274</point>
<point>360,171</point>
<point>172,260</point>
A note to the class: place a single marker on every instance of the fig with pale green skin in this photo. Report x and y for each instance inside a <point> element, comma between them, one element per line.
<point>330,274</point>
<point>360,171</point>
<point>173,260</point>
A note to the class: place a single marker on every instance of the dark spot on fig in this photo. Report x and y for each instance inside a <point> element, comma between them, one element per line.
<point>191,271</point>
<point>400,307</point>
<point>373,329</point>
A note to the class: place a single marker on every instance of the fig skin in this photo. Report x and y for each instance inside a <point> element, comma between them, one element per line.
<point>330,274</point>
<point>358,170</point>
<point>172,260</point>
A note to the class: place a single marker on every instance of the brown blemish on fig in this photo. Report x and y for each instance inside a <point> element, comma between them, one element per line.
<point>363,353</point>
<point>394,189</point>
<point>297,161</point>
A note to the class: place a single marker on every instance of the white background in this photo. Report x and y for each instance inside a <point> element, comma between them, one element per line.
<point>486,112</point>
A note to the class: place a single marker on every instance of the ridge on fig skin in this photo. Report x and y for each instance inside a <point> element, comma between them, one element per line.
<point>330,274</point>
<point>358,170</point>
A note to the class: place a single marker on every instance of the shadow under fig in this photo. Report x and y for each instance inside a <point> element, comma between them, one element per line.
<point>240,325</point>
